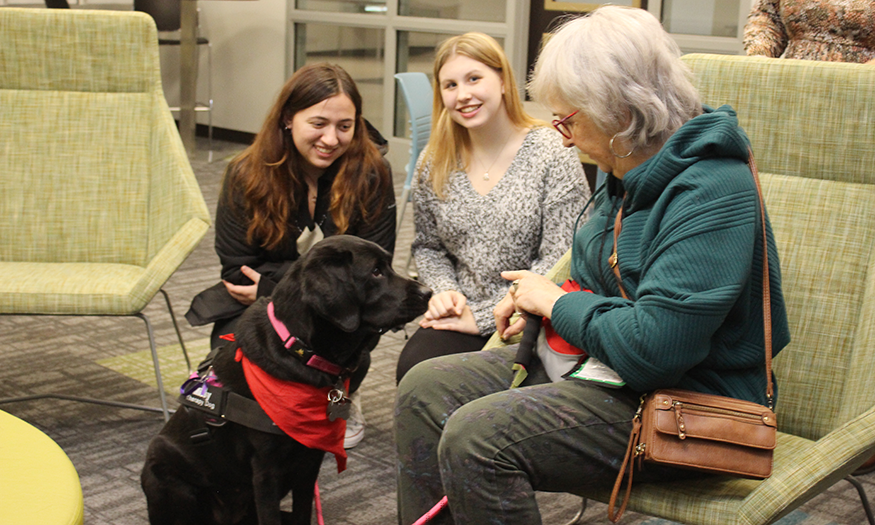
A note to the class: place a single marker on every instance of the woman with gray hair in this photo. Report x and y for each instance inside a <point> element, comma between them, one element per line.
<point>667,291</point>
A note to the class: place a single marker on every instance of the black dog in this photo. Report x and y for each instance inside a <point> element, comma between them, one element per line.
<point>336,300</point>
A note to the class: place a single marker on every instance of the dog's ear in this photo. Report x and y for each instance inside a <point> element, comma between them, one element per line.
<point>329,288</point>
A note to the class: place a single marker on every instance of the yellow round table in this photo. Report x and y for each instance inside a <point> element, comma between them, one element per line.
<point>38,483</point>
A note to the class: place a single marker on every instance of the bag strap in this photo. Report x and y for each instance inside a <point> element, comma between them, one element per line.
<point>627,466</point>
<point>613,260</point>
<point>767,295</point>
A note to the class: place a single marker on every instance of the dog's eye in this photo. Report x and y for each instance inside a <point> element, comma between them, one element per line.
<point>376,272</point>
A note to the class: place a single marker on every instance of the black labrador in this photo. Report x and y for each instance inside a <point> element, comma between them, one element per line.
<point>335,301</point>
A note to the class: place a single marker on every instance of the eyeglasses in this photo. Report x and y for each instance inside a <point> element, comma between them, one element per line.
<point>561,127</point>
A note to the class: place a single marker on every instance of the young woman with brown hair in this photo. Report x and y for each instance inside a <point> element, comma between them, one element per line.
<point>313,171</point>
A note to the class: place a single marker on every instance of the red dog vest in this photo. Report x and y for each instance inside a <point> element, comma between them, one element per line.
<point>300,410</point>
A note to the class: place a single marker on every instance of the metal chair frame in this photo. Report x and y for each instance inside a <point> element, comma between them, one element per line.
<point>167,16</point>
<point>864,500</point>
<point>152,346</point>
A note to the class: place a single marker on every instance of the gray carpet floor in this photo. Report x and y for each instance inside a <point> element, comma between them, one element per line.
<point>107,445</point>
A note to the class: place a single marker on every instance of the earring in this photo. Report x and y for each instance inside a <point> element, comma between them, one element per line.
<point>611,145</point>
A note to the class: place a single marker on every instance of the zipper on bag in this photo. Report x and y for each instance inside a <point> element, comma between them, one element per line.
<point>678,408</point>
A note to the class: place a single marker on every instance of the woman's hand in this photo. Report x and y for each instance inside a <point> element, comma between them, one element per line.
<point>533,294</point>
<point>449,311</point>
<point>245,294</point>
<point>502,312</point>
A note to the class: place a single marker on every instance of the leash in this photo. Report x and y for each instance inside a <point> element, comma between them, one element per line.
<point>318,501</point>
<point>433,512</point>
<point>522,361</point>
<point>526,350</point>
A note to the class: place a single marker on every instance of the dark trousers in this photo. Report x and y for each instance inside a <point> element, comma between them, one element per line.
<point>427,343</point>
<point>462,433</point>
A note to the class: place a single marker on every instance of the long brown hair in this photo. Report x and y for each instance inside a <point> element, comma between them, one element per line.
<point>449,140</point>
<point>268,173</point>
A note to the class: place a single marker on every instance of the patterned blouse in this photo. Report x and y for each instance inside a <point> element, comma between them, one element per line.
<point>830,30</point>
<point>525,222</point>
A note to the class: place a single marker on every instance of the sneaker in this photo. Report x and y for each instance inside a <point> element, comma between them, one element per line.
<point>355,424</point>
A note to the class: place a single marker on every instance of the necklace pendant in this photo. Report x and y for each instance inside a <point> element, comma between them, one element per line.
<point>486,176</point>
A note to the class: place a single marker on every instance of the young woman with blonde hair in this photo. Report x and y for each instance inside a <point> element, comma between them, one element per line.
<point>495,189</point>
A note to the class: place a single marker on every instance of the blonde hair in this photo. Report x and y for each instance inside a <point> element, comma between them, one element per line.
<point>619,67</point>
<point>449,140</point>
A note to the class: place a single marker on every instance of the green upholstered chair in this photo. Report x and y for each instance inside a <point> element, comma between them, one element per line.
<point>812,126</point>
<point>98,202</point>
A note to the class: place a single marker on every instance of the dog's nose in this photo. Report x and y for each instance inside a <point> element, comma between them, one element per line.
<point>419,296</point>
<point>424,291</point>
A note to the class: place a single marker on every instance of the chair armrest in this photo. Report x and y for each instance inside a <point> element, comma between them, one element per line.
<point>811,470</point>
<point>169,257</point>
<point>175,196</point>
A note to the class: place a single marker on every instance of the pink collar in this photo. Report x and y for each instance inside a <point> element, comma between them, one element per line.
<point>300,349</point>
<point>280,327</point>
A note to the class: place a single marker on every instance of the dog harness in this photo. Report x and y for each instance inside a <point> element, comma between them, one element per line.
<point>315,417</point>
<point>217,405</point>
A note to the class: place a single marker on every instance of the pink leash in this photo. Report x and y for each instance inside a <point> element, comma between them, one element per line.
<point>530,335</point>
<point>318,501</point>
<point>424,519</point>
<point>433,512</point>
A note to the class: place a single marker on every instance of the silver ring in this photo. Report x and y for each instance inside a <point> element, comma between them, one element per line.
<point>515,284</point>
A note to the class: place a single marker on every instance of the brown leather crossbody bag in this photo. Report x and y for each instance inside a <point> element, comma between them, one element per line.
<point>703,432</point>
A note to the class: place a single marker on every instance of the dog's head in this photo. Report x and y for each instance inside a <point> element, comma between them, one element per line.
<point>350,282</point>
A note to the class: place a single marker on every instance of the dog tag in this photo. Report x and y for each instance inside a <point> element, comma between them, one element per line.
<point>338,405</point>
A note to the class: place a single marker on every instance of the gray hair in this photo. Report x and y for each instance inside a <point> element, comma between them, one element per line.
<point>618,65</point>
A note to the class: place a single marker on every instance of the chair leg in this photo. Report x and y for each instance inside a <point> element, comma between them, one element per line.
<point>176,327</point>
<point>79,399</point>
<point>576,520</point>
<point>863,498</point>
<point>120,404</point>
<point>161,393</point>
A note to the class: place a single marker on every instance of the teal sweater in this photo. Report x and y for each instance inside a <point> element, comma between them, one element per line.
<point>690,256</point>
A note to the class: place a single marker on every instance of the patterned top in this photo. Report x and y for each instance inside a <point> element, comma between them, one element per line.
<point>835,31</point>
<point>524,222</point>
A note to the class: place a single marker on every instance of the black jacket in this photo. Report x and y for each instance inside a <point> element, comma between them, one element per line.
<point>234,250</point>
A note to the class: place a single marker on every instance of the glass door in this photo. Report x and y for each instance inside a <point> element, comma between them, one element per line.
<point>704,26</point>
<point>374,39</point>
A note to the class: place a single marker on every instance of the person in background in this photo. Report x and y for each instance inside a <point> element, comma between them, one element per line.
<point>829,30</point>
<point>313,171</point>
<point>689,253</point>
<point>494,190</point>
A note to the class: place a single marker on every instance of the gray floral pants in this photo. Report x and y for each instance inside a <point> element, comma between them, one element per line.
<point>461,432</point>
